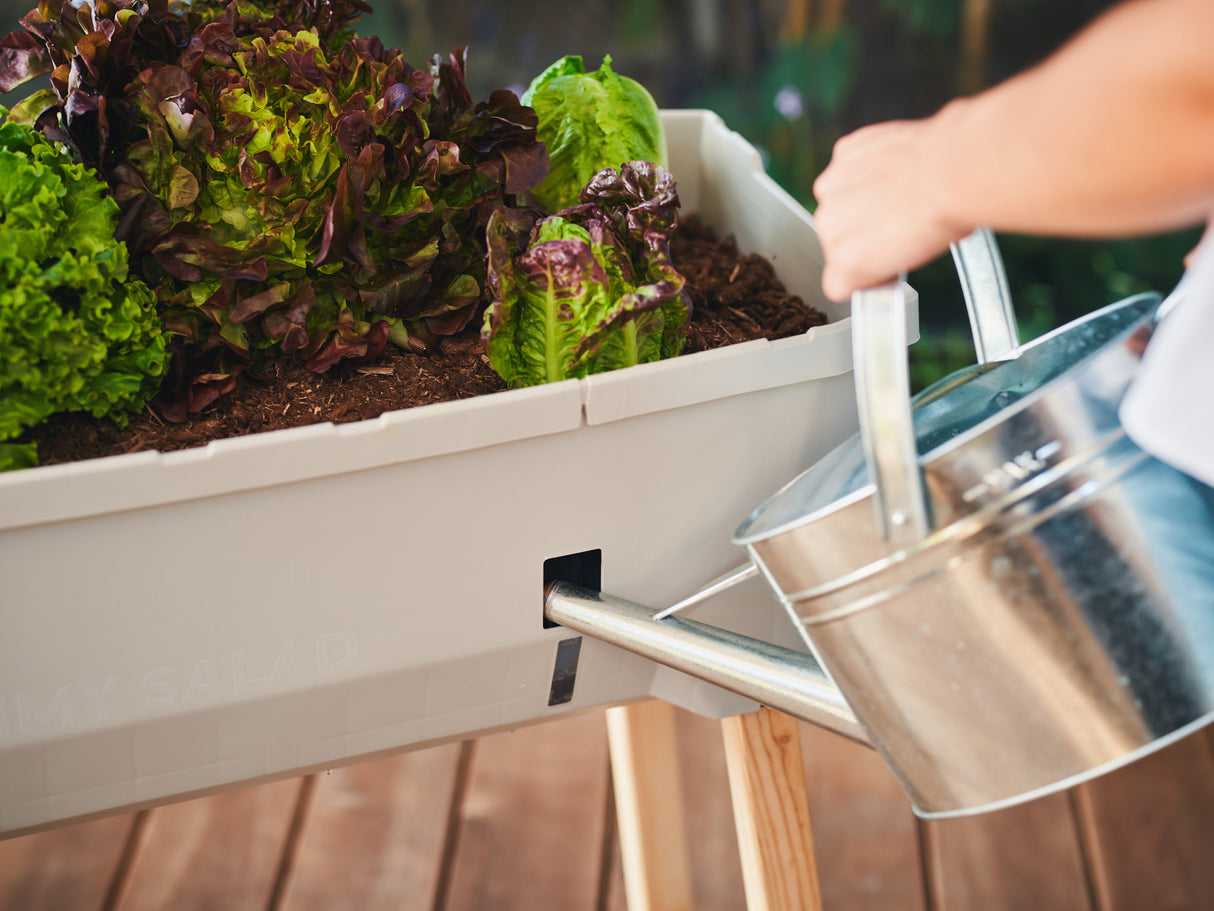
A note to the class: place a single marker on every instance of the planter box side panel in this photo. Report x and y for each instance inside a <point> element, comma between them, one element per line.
<point>257,634</point>
<point>357,613</point>
<point>685,131</point>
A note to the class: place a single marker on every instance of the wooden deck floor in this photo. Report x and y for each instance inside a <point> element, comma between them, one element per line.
<point>524,820</point>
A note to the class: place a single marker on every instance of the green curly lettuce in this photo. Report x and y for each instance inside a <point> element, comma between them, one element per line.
<point>591,121</point>
<point>79,333</point>
<point>591,288</point>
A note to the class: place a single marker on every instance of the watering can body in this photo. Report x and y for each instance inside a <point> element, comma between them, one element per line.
<point>1008,594</point>
<point>1057,618</point>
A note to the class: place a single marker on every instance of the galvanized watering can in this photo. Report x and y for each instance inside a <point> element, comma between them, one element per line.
<point>999,591</point>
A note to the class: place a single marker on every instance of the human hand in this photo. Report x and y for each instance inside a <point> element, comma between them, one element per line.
<point>880,211</point>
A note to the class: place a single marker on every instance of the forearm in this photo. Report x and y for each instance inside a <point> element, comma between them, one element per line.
<point>1113,135</point>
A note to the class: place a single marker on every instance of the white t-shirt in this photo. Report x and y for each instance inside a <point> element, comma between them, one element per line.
<point>1169,409</point>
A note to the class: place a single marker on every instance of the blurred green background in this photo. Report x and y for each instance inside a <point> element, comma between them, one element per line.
<point>794,75</point>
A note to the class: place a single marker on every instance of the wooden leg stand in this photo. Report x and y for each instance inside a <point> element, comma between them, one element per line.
<point>649,807</point>
<point>771,812</point>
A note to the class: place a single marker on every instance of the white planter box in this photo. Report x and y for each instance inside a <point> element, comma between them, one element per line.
<point>285,602</point>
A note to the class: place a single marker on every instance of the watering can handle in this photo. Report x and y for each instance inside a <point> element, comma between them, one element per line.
<point>987,298</point>
<point>879,343</point>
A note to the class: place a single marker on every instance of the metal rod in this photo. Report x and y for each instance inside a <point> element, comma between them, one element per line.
<point>887,428</point>
<point>780,678</point>
<point>987,298</point>
<point>725,581</point>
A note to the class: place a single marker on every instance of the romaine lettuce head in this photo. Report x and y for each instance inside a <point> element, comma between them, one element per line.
<point>591,121</point>
<point>79,333</point>
<point>591,288</point>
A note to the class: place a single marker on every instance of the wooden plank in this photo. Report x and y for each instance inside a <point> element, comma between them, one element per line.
<point>615,897</point>
<point>975,45</point>
<point>1149,830</point>
<point>534,818</point>
<point>712,842</point>
<point>223,851</point>
<point>865,834</point>
<point>831,16</point>
<point>651,822</point>
<point>712,837</point>
<point>1022,857</point>
<point>771,811</point>
<point>65,869</point>
<point>375,835</point>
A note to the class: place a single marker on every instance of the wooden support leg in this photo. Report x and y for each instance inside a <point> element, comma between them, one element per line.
<point>771,811</point>
<point>649,806</point>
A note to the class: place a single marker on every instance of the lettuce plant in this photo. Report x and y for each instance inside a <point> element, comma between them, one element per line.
<point>591,288</point>
<point>591,121</point>
<point>289,187</point>
<point>79,333</point>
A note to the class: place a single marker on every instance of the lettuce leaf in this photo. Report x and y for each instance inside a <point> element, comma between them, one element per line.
<point>591,121</point>
<point>591,288</point>
<point>80,334</point>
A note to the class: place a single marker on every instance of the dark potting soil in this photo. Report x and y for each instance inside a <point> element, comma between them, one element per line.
<point>735,298</point>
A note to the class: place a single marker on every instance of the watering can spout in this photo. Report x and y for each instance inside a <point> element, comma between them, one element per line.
<point>788,681</point>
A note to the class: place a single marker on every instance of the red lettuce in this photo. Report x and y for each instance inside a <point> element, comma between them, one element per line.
<point>287,187</point>
<point>591,288</point>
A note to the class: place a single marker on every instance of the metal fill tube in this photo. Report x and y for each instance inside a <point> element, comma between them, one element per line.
<point>788,681</point>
